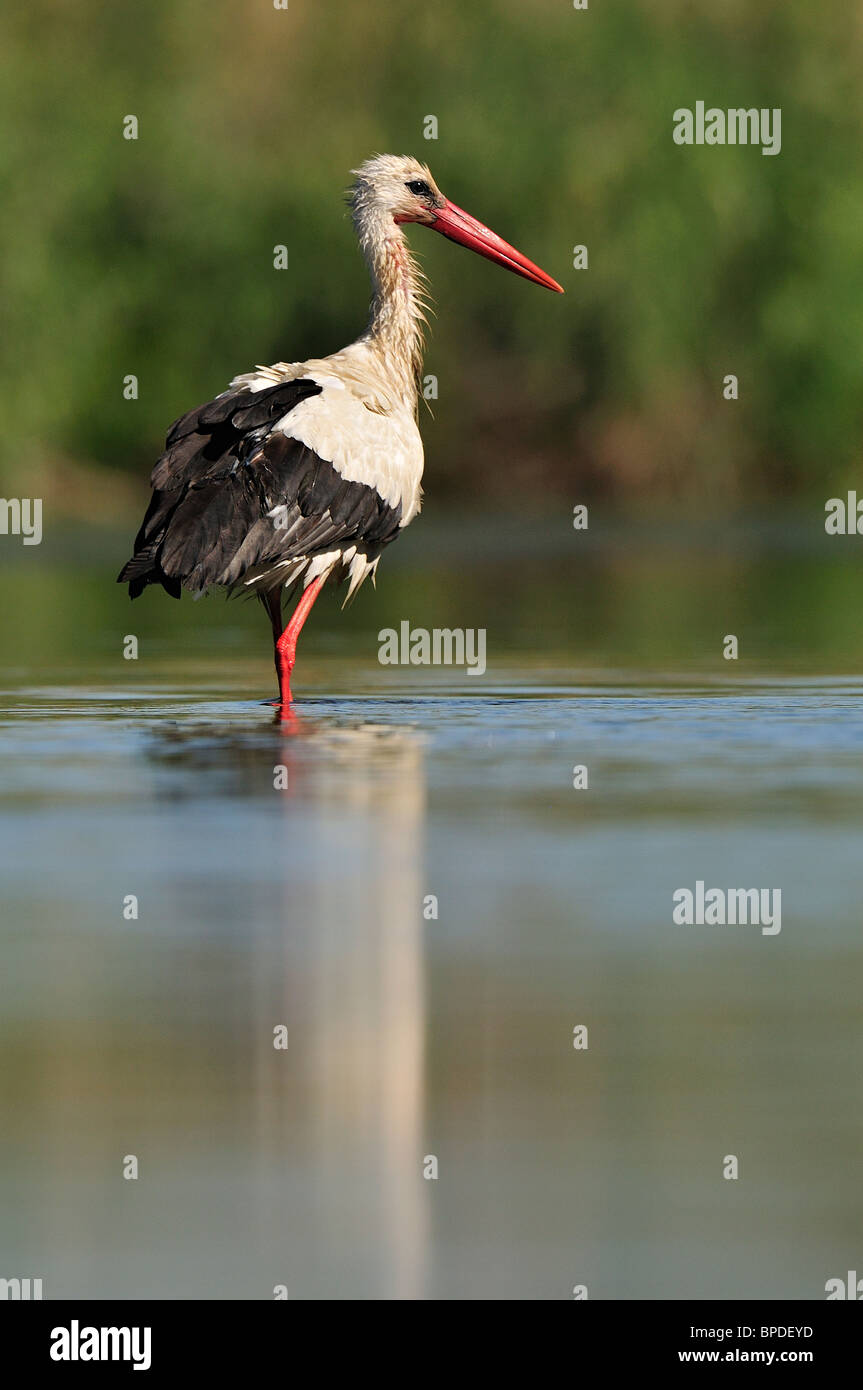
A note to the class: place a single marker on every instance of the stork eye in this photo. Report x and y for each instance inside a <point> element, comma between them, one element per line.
<point>420,187</point>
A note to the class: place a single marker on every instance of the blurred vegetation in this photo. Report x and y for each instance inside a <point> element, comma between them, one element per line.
<point>155,257</point>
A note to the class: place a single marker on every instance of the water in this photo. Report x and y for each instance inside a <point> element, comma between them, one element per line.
<point>418,1030</point>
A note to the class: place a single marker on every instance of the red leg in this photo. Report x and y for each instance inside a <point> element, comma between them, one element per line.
<point>286,645</point>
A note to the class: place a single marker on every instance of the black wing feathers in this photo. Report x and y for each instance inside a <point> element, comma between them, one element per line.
<point>223,472</point>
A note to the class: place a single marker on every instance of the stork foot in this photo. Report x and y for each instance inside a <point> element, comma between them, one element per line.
<point>284,666</point>
<point>286,644</point>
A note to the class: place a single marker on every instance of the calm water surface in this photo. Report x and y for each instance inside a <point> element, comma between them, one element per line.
<point>416,1031</point>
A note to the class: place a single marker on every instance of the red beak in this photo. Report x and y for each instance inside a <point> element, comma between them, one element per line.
<point>458,225</point>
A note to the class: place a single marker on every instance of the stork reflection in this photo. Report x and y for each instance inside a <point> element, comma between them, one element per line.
<point>339,1117</point>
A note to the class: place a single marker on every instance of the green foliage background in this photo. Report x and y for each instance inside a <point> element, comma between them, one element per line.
<point>155,257</point>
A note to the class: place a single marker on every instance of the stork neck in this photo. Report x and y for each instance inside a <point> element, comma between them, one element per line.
<point>396,319</point>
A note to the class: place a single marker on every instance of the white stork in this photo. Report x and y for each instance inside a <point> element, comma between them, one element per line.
<point>306,470</point>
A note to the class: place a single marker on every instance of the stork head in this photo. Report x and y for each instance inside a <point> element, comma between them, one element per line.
<point>401,189</point>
